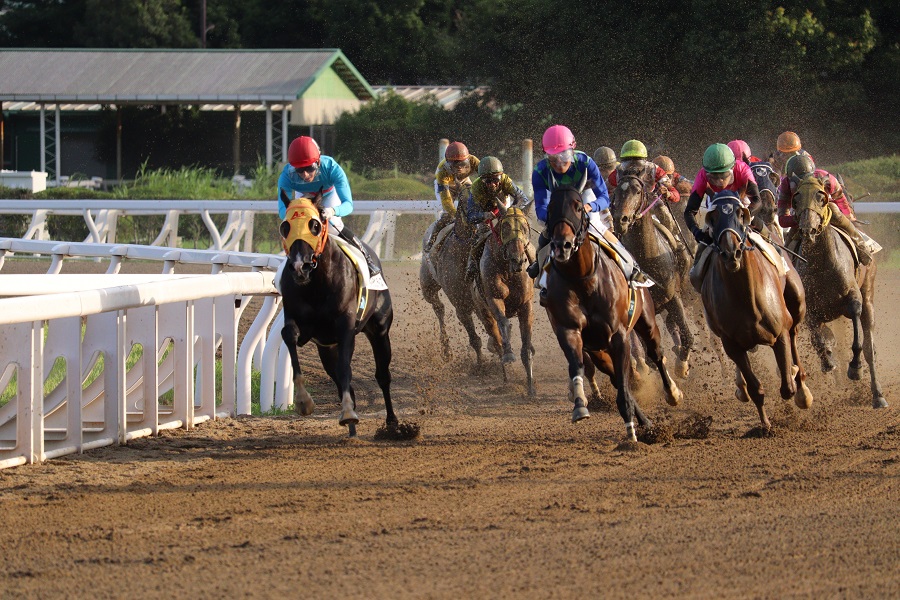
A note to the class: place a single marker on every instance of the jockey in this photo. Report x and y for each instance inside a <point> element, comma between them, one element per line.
<point>741,150</point>
<point>491,187</point>
<point>566,166</point>
<point>451,184</point>
<point>786,146</point>
<point>797,169</point>
<point>309,171</point>
<point>681,183</point>
<point>605,157</point>
<point>720,172</point>
<point>634,162</point>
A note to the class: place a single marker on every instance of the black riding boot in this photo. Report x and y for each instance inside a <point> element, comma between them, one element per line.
<point>348,236</point>
<point>839,220</point>
<point>534,269</point>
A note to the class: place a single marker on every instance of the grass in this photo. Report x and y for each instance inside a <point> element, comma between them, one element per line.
<point>879,177</point>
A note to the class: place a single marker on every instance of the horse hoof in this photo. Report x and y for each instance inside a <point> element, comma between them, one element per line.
<point>803,398</point>
<point>349,417</point>
<point>828,367</point>
<point>741,395</point>
<point>854,373</point>
<point>580,412</point>
<point>682,368</point>
<point>305,406</point>
<point>509,357</point>
<point>879,402</point>
<point>675,396</point>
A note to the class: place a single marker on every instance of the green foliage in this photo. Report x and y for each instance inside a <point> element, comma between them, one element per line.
<point>188,183</point>
<point>136,24</point>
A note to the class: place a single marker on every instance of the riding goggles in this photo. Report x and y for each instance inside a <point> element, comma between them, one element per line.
<point>308,169</point>
<point>492,178</point>
<point>561,158</point>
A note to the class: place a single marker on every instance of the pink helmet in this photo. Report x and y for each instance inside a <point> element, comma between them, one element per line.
<point>741,150</point>
<point>558,138</point>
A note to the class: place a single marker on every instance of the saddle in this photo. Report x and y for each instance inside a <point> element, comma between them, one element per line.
<point>441,236</point>
<point>366,283</point>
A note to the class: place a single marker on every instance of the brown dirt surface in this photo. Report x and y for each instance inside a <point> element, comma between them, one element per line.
<point>499,497</point>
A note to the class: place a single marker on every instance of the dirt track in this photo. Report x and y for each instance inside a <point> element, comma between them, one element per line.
<point>501,497</point>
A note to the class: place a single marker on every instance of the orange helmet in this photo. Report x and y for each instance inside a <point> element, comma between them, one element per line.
<point>788,142</point>
<point>665,163</point>
<point>456,151</point>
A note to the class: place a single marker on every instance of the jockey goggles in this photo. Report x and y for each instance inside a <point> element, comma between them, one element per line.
<point>492,178</point>
<point>308,169</point>
<point>719,179</point>
<point>561,158</point>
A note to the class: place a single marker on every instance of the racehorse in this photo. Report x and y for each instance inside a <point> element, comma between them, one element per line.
<point>767,181</point>
<point>505,290</point>
<point>321,298</point>
<point>445,268</point>
<point>632,201</point>
<point>747,302</point>
<point>592,309</point>
<point>834,286</point>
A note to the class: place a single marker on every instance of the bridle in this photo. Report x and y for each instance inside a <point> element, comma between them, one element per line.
<point>302,213</point>
<point>821,209</point>
<point>742,233</point>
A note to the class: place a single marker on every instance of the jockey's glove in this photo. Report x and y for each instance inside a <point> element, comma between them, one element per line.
<point>702,237</point>
<point>327,212</point>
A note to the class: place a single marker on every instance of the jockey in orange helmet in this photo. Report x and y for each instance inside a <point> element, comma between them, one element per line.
<point>451,185</point>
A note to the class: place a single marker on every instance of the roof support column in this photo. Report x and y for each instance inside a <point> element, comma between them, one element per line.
<point>284,133</point>
<point>2,137</point>
<point>119,144</point>
<point>236,140</point>
<point>268,137</point>
<point>42,134</point>
<point>56,145</point>
<point>50,143</point>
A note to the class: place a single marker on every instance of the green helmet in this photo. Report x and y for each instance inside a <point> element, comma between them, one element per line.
<point>799,166</point>
<point>489,165</point>
<point>718,158</point>
<point>605,156</point>
<point>633,149</point>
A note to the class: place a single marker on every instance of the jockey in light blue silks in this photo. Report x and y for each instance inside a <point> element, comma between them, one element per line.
<point>308,171</point>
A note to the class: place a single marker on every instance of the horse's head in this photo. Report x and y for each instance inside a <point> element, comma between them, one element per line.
<point>767,181</point>
<point>729,221</point>
<point>303,235</point>
<point>514,238</point>
<point>567,222</point>
<point>810,206</point>
<point>629,200</point>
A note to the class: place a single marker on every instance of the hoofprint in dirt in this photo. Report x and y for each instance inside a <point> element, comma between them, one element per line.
<point>500,497</point>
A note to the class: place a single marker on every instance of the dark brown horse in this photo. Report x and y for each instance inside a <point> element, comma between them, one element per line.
<point>748,303</point>
<point>765,214</point>
<point>444,268</point>
<point>632,200</point>
<point>505,290</point>
<point>320,291</point>
<point>834,286</point>
<point>592,310</point>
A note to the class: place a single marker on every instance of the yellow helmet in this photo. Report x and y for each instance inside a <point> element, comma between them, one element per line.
<point>633,149</point>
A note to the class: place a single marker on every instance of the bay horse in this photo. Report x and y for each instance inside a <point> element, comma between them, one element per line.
<point>592,309</point>
<point>632,200</point>
<point>505,290</point>
<point>444,268</point>
<point>321,296</point>
<point>766,214</point>
<point>747,302</point>
<point>835,287</point>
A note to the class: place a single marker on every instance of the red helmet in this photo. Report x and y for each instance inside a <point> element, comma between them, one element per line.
<point>558,138</point>
<point>741,150</point>
<point>303,152</point>
<point>456,151</point>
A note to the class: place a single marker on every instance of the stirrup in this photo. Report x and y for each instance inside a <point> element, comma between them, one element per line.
<point>533,269</point>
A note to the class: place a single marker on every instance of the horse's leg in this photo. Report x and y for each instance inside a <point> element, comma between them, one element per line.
<point>570,342</point>
<point>290,333</point>
<point>380,340</point>
<point>823,342</point>
<point>590,372</point>
<point>648,330</point>
<point>784,359</point>
<point>344,375</point>
<point>464,314</point>
<point>681,331</point>
<point>854,313</point>
<point>620,351</point>
<point>795,300</point>
<point>639,366</point>
<point>430,289</point>
<point>753,387</point>
<point>526,324</point>
<point>868,323</point>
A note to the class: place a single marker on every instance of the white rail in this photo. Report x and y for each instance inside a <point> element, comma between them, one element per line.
<point>178,321</point>
<point>101,218</point>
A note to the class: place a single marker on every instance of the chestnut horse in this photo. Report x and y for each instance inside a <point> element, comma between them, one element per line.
<point>635,228</point>
<point>592,309</point>
<point>320,292</point>
<point>835,287</point>
<point>505,290</point>
<point>747,303</point>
